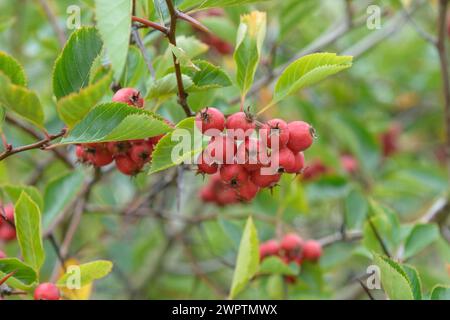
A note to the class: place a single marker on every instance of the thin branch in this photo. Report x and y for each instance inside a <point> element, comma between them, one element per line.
<point>379,238</point>
<point>182,95</point>
<point>140,44</point>
<point>422,32</point>
<point>366,289</point>
<point>151,24</point>
<point>53,22</point>
<point>194,22</point>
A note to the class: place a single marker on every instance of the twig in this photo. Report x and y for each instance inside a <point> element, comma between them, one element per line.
<point>54,22</point>
<point>55,246</point>
<point>140,44</point>
<point>366,289</point>
<point>424,34</point>
<point>151,24</point>
<point>379,238</point>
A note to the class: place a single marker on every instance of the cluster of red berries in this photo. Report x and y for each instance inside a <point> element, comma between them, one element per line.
<point>46,291</point>
<point>7,229</point>
<point>292,248</point>
<point>129,156</point>
<point>257,162</point>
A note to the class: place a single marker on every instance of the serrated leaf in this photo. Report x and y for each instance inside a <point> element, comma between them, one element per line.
<point>182,58</point>
<point>24,276</point>
<point>114,24</point>
<point>274,265</point>
<point>167,86</point>
<point>12,69</point>
<point>394,279</point>
<point>309,70</point>
<point>420,237</point>
<point>88,272</point>
<point>250,38</point>
<point>73,107</point>
<point>440,292</point>
<point>247,263</point>
<point>15,191</point>
<point>203,4</point>
<point>115,121</point>
<point>136,71</point>
<point>27,218</point>
<point>208,76</point>
<point>415,281</point>
<point>58,194</point>
<point>73,66</point>
<point>21,101</point>
<point>177,147</point>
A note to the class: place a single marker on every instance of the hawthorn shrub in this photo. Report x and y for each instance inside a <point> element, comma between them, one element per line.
<point>203,149</point>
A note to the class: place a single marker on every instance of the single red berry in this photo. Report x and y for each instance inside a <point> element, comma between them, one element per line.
<point>277,130</point>
<point>315,170</point>
<point>81,153</point>
<point>2,255</point>
<point>127,166</point>
<point>349,163</point>
<point>291,242</point>
<point>129,96</point>
<point>100,156</point>
<point>264,181</point>
<point>46,291</point>
<point>141,153</point>
<point>7,229</point>
<point>269,248</point>
<point>301,136</point>
<point>312,250</point>
<point>233,174</point>
<point>247,191</point>
<point>207,194</point>
<point>240,125</point>
<point>206,165</point>
<point>299,163</point>
<point>285,159</point>
<point>210,121</point>
<point>222,150</point>
<point>226,196</point>
<point>252,154</point>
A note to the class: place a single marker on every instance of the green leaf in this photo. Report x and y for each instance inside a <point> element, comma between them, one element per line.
<point>58,194</point>
<point>73,107</point>
<point>73,66</point>
<point>420,237</point>
<point>88,272</point>
<point>208,76</point>
<point>27,217</point>
<point>275,287</point>
<point>2,118</point>
<point>414,279</point>
<point>178,146</point>
<point>309,70</point>
<point>114,24</point>
<point>167,86</point>
<point>356,209</point>
<point>15,191</point>
<point>247,263</point>
<point>203,4</point>
<point>23,279</point>
<point>12,68</point>
<point>21,101</point>
<point>182,58</point>
<point>274,265</point>
<point>394,279</point>
<point>440,292</point>
<point>136,71</point>
<point>250,38</point>
<point>115,121</point>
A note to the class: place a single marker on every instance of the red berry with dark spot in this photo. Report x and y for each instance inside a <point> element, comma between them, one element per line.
<point>233,174</point>
<point>7,229</point>
<point>277,130</point>
<point>291,242</point>
<point>100,156</point>
<point>269,248</point>
<point>285,159</point>
<point>119,147</point>
<point>312,250</point>
<point>210,121</point>
<point>240,125</point>
<point>264,181</point>
<point>46,291</point>
<point>127,166</point>
<point>301,136</point>
<point>141,153</point>
<point>299,163</point>
<point>129,96</point>
<point>206,165</point>
<point>247,191</point>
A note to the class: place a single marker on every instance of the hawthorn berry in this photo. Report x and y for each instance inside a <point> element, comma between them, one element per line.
<point>2,255</point>
<point>221,149</point>
<point>269,248</point>
<point>264,181</point>
<point>127,166</point>
<point>129,96</point>
<point>210,121</point>
<point>349,163</point>
<point>118,147</point>
<point>275,129</point>
<point>247,191</point>
<point>226,196</point>
<point>207,194</point>
<point>299,163</point>
<point>312,250</point>
<point>291,242</point>
<point>301,136</point>
<point>316,169</point>
<point>240,125</point>
<point>285,159</point>
<point>205,165</point>
<point>233,174</point>
<point>252,154</point>
<point>81,153</point>
<point>100,156</point>
<point>141,153</point>
<point>46,291</point>
<point>7,229</point>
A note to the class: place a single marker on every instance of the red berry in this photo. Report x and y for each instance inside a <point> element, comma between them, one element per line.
<point>299,163</point>
<point>210,121</point>
<point>252,154</point>
<point>285,159</point>
<point>127,166</point>
<point>240,125</point>
<point>207,194</point>
<point>81,153</point>
<point>291,242</point>
<point>46,291</point>
<point>268,248</point>
<point>221,149</point>
<point>275,129</point>
<point>7,230</point>
<point>312,250</point>
<point>119,147</point>
<point>141,153</point>
<point>2,255</point>
<point>226,196</point>
<point>264,181</point>
<point>301,136</point>
<point>100,156</point>
<point>233,174</point>
<point>129,96</point>
<point>247,191</point>
<point>315,170</point>
<point>206,165</point>
<point>349,163</point>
